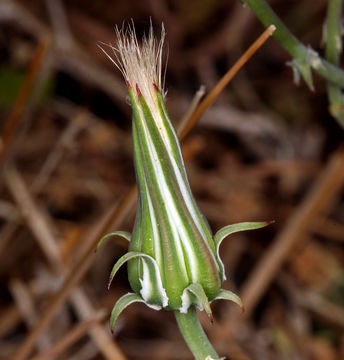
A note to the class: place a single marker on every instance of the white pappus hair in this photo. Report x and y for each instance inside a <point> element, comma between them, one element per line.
<point>140,64</point>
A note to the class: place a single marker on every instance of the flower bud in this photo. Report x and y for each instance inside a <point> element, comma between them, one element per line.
<point>173,258</point>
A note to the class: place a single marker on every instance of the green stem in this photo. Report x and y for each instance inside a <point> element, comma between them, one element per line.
<point>333,50</point>
<point>194,335</point>
<point>303,55</point>
<point>333,30</point>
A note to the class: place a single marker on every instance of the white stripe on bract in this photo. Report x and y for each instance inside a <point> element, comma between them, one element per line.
<point>187,197</point>
<point>220,261</point>
<point>184,188</point>
<point>191,207</point>
<point>172,213</point>
<point>168,198</point>
<point>147,288</point>
<point>177,225</point>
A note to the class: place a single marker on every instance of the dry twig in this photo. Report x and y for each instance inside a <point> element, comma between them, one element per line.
<point>45,238</point>
<point>18,108</point>
<point>318,201</point>
<point>70,338</point>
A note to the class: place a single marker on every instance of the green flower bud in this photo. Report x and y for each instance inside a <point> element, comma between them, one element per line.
<point>169,225</point>
<point>173,258</point>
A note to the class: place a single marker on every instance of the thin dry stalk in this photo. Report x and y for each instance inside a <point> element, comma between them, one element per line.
<point>39,226</point>
<point>77,123</point>
<point>113,217</point>
<point>76,333</point>
<point>330,229</point>
<point>10,317</point>
<point>215,92</point>
<point>75,126</point>
<point>18,108</point>
<point>59,23</point>
<point>313,301</point>
<point>86,352</point>
<point>72,58</point>
<point>317,202</point>
<point>191,109</point>
<point>33,216</point>
<point>25,303</point>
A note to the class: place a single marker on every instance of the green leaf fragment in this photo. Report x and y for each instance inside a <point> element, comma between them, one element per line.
<point>12,79</point>
<point>229,295</point>
<point>123,234</point>
<point>302,68</point>
<point>121,304</point>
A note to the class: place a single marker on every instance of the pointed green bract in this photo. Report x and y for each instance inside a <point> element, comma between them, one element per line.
<point>194,295</point>
<point>123,234</point>
<point>229,295</point>
<point>152,290</point>
<point>231,229</point>
<point>234,228</point>
<point>121,304</point>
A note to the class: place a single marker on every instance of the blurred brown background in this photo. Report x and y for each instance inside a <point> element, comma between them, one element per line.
<point>267,149</point>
